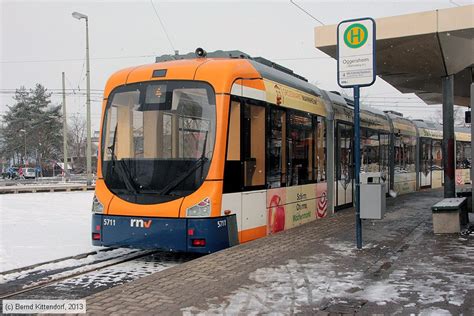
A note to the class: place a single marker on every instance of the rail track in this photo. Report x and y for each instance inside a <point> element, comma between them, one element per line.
<point>21,281</point>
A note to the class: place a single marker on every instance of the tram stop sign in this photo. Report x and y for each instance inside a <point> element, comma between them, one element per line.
<point>356,53</point>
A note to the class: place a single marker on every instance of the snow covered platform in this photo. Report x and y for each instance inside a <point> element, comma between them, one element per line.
<point>58,187</point>
<point>39,227</point>
<point>315,268</point>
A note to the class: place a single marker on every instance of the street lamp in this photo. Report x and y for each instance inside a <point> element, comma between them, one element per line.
<point>81,16</point>
<point>66,171</point>
<point>24,133</point>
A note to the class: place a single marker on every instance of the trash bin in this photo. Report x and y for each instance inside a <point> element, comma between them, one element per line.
<point>372,195</point>
<point>467,193</point>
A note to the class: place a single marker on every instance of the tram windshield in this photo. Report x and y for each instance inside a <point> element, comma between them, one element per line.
<point>157,140</point>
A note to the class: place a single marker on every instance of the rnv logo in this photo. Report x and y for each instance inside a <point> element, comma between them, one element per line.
<point>140,223</point>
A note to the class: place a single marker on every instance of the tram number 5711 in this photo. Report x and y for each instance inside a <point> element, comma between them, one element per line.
<point>221,223</point>
<point>109,222</point>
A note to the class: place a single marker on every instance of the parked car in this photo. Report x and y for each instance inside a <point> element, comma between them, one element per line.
<point>29,173</point>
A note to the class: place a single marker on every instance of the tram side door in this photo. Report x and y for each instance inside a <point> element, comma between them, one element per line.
<point>254,197</point>
<point>344,166</point>
<point>245,160</point>
<point>244,172</point>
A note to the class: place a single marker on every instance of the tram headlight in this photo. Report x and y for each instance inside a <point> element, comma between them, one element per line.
<point>202,209</point>
<point>97,207</point>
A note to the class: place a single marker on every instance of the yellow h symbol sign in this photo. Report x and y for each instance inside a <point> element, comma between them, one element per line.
<point>356,33</point>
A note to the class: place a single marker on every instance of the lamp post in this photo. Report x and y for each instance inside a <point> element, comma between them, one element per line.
<point>81,16</point>
<point>66,171</point>
<point>24,133</point>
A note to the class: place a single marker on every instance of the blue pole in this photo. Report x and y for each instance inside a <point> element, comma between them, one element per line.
<point>357,166</point>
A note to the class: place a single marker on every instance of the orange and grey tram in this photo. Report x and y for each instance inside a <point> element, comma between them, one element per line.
<point>199,153</point>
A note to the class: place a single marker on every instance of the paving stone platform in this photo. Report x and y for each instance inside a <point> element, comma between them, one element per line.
<point>315,268</point>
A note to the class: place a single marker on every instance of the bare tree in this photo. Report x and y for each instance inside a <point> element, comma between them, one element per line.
<point>458,114</point>
<point>77,139</point>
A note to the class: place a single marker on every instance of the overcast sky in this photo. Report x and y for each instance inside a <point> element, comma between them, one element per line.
<point>40,39</point>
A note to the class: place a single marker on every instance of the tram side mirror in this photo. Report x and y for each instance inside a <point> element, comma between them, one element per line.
<point>467,116</point>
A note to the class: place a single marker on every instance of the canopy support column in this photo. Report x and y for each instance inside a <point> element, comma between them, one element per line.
<point>472,137</point>
<point>448,137</point>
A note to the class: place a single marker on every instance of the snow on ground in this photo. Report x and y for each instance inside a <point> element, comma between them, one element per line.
<point>118,274</point>
<point>93,282</point>
<point>39,227</point>
<point>69,264</point>
<point>328,278</point>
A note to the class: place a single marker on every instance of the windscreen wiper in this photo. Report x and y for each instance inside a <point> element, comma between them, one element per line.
<point>173,184</point>
<point>121,167</point>
<point>200,162</point>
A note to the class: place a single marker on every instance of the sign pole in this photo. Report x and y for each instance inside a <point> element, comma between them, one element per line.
<point>357,166</point>
<point>355,69</point>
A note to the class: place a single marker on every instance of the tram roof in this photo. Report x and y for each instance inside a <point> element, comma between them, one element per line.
<point>462,133</point>
<point>462,129</point>
<point>402,124</point>
<point>267,68</point>
<point>415,51</point>
<point>428,125</point>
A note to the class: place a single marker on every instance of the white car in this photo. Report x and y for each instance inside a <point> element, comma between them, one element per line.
<point>29,173</point>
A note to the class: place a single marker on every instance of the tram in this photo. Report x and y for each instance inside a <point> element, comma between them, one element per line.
<point>200,152</point>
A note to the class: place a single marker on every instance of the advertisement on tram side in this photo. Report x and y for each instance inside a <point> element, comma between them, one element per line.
<point>294,206</point>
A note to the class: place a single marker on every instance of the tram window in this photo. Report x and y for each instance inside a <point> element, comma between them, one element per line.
<point>233,167</point>
<point>192,136</point>
<point>276,148</point>
<point>410,147</point>
<point>467,155</point>
<point>398,152</point>
<point>300,148</point>
<point>425,155</point>
<point>320,150</point>
<point>384,153</point>
<point>405,147</point>
<point>128,125</point>
<point>137,128</point>
<point>463,155</point>
<point>166,132</point>
<point>154,138</point>
<point>111,120</point>
<point>374,151</point>
<point>233,147</point>
<point>254,145</point>
<point>363,150</point>
<point>344,153</point>
<point>149,130</point>
<point>459,155</point>
<point>437,155</point>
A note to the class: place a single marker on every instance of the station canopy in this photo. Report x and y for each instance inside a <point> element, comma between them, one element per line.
<point>415,51</point>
